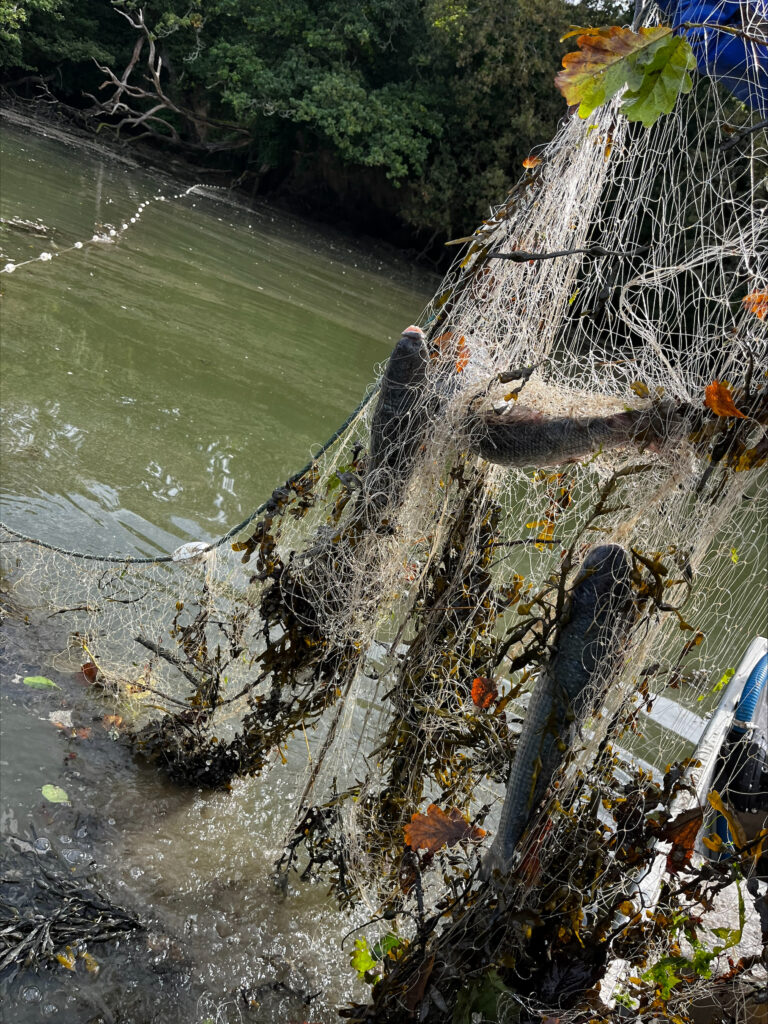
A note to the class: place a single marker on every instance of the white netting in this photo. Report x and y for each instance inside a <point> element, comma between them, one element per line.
<point>392,576</point>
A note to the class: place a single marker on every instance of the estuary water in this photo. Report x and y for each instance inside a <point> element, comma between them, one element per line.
<point>168,358</point>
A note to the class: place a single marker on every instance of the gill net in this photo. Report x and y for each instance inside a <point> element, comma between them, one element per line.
<point>380,625</point>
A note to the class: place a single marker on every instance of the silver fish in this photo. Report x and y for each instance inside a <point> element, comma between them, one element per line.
<point>398,420</point>
<point>522,436</point>
<point>569,687</point>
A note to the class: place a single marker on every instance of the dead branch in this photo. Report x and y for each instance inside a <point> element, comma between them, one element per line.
<point>127,101</point>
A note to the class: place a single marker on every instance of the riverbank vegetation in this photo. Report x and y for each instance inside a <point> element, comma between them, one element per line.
<point>405,119</point>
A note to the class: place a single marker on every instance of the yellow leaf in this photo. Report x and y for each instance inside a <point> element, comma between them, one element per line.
<point>67,959</point>
<point>137,690</point>
<point>575,31</point>
<point>91,963</point>
<point>546,536</point>
<point>640,389</point>
<point>737,832</point>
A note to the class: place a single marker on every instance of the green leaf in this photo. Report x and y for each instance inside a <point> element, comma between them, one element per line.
<point>724,679</point>
<point>40,683</point>
<point>702,958</point>
<point>55,794</point>
<point>732,936</point>
<point>389,942</point>
<point>361,959</point>
<point>663,974</point>
<point>664,75</point>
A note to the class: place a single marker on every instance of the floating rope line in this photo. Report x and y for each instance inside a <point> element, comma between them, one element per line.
<point>108,236</point>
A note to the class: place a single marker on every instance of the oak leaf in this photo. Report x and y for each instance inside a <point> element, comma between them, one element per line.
<point>436,828</point>
<point>651,67</point>
<point>757,303</point>
<point>484,692</point>
<point>718,398</point>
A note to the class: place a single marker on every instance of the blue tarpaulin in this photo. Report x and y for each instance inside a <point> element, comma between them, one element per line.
<point>739,63</point>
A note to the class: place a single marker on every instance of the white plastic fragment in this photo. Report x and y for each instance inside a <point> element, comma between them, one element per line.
<point>194,551</point>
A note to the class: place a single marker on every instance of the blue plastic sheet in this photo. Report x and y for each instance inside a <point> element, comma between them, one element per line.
<point>740,64</point>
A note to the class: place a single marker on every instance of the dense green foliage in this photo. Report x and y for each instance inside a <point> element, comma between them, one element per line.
<point>419,108</point>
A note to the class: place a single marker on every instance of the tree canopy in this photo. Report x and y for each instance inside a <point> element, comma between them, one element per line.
<point>419,108</point>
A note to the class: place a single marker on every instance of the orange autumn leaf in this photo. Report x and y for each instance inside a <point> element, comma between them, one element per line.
<point>462,357</point>
<point>90,671</point>
<point>484,692</point>
<point>697,640</point>
<point>757,303</point>
<point>439,345</point>
<point>112,721</point>
<point>682,832</point>
<point>531,161</point>
<point>719,399</point>
<point>436,828</point>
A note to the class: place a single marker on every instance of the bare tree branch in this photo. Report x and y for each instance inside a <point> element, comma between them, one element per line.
<point>127,99</point>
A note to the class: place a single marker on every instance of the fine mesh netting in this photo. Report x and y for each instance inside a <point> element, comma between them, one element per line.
<point>383,622</point>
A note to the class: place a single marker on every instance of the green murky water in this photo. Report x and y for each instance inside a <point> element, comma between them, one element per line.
<point>169,380</point>
<point>156,385</point>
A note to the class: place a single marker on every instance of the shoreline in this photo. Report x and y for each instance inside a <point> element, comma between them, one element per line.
<point>56,122</point>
